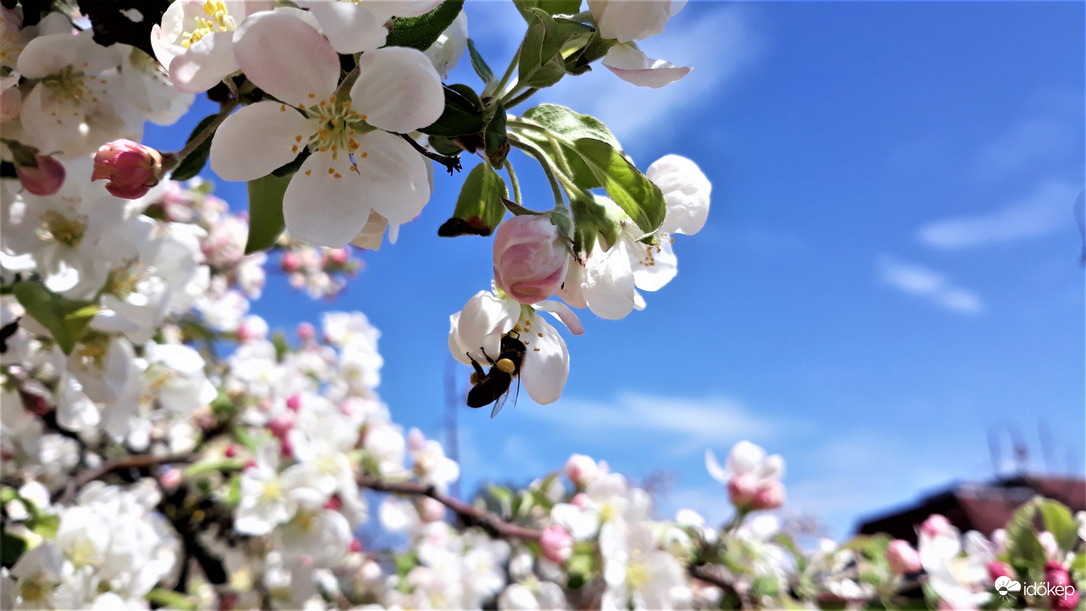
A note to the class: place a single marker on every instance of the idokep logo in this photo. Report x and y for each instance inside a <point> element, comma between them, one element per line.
<point>1006,587</point>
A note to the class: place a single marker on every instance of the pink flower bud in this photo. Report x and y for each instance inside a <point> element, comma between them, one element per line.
<point>294,403</point>
<point>581,470</point>
<point>333,503</point>
<point>171,478</point>
<point>935,525</point>
<point>1058,580</point>
<point>556,544</point>
<point>281,424</point>
<point>530,258</point>
<point>580,501</point>
<point>289,262</point>
<point>306,331</point>
<point>902,558</point>
<point>768,497</point>
<point>43,179</point>
<point>355,546</point>
<point>742,488</point>
<point>131,168</point>
<point>338,256</point>
<point>997,569</point>
<point>231,451</point>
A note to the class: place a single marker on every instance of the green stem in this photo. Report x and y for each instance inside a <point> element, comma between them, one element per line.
<point>171,161</point>
<point>498,91</point>
<point>530,149</point>
<point>513,181</point>
<point>520,98</point>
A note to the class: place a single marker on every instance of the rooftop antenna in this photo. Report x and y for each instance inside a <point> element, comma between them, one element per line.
<point>1048,445</point>
<point>1018,446</point>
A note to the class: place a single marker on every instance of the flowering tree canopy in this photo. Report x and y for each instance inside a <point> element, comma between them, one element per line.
<point>162,447</point>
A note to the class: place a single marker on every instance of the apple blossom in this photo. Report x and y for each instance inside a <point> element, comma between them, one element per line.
<point>130,168</point>
<point>74,106</point>
<point>476,331</point>
<point>357,164</point>
<point>752,478</point>
<point>530,258</point>
<point>195,40</point>
<point>581,470</point>
<point>352,27</point>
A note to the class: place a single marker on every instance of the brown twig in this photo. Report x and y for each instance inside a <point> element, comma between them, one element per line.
<point>139,461</point>
<point>471,515</point>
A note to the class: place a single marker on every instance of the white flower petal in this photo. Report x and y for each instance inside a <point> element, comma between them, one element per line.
<point>563,313</point>
<point>655,266</point>
<point>350,27</point>
<point>609,282</point>
<point>686,192</point>
<point>258,139</point>
<point>633,66</point>
<point>46,55</point>
<point>397,184</point>
<point>713,467</point>
<point>206,63</point>
<point>484,319</point>
<point>325,202</point>
<point>286,57</point>
<point>772,468</point>
<point>744,457</point>
<point>546,362</point>
<point>397,89</point>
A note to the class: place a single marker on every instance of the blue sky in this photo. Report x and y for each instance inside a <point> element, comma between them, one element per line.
<point>890,269</point>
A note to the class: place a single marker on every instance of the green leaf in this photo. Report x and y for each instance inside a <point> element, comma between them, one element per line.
<point>463,114</point>
<point>233,491</point>
<point>1059,521</point>
<point>541,61</point>
<point>551,7</point>
<point>422,31</point>
<point>479,207</point>
<point>628,187</point>
<point>191,165</point>
<point>265,212</point>
<point>496,137</point>
<point>44,525</point>
<point>170,599</point>
<point>66,319</point>
<point>11,548</point>
<point>480,66</point>
<point>569,124</point>
<point>1023,547</point>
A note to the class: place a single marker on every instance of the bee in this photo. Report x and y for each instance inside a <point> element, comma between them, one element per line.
<point>490,386</point>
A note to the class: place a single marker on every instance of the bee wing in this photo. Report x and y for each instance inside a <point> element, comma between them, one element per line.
<point>498,405</point>
<point>501,402</point>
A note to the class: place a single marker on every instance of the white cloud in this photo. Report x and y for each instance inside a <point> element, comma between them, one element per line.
<point>1030,141</point>
<point>718,47</point>
<point>929,285</point>
<point>1046,210</point>
<point>690,424</point>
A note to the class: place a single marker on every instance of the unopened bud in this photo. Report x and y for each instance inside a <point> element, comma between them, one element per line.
<point>935,525</point>
<point>997,569</point>
<point>44,177</point>
<point>902,558</point>
<point>556,543</point>
<point>530,258</point>
<point>581,470</point>
<point>130,167</point>
<point>741,489</point>
<point>430,510</point>
<point>306,331</point>
<point>768,497</point>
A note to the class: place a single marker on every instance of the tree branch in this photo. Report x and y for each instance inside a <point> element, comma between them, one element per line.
<point>473,516</point>
<point>141,461</point>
